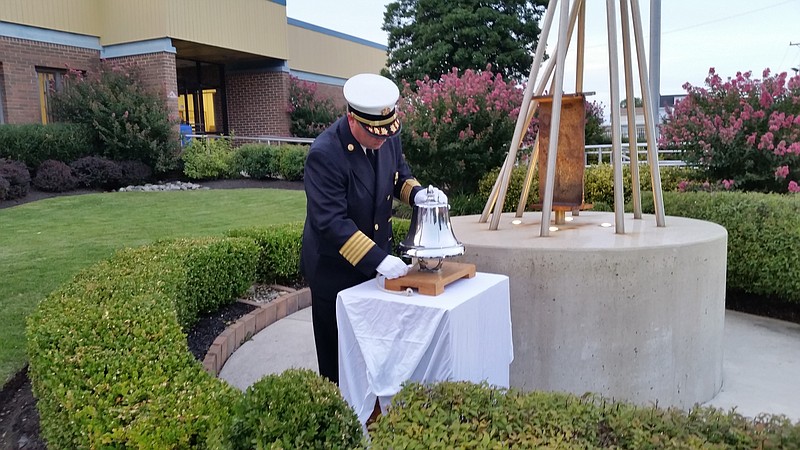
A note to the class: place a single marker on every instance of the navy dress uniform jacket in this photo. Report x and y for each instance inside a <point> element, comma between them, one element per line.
<point>348,229</point>
<point>348,224</point>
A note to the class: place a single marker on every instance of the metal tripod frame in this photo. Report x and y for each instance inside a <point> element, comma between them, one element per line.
<point>554,74</point>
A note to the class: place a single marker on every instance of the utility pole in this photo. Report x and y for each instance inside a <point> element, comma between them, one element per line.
<point>796,69</point>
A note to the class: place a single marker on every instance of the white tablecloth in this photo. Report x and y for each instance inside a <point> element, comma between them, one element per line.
<point>386,339</point>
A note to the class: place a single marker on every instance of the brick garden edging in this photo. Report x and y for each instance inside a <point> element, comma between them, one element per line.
<point>247,326</point>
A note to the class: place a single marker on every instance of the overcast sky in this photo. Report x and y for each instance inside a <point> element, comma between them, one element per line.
<point>729,35</point>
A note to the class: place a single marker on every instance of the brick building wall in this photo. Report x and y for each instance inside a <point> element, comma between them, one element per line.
<point>19,59</point>
<point>332,92</point>
<point>156,72</point>
<point>257,103</point>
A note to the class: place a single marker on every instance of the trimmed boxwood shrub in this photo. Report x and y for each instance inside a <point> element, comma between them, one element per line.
<point>279,251</point>
<point>295,410</point>
<point>208,159</point>
<point>763,236</point>
<point>111,368</point>
<point>54,176</point>
<point>258,161</point>
<point>109,363</point>
<point>262,161</point>
<point>18,177</point>
<point>291,161</point>
<point>280,245</point>
<point>464,415</point>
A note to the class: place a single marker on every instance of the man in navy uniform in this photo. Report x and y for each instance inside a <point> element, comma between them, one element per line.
<point>352,172</point>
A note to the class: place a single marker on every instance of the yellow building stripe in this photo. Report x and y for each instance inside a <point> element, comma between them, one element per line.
<point>405,191</point>
<point>356,247</point>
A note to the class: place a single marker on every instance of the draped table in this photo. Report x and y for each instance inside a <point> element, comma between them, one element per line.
<point>386,339</point>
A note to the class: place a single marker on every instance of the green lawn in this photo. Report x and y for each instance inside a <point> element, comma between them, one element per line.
<point>43,244</point>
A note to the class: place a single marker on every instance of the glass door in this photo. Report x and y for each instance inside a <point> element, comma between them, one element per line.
<point>200,96</point>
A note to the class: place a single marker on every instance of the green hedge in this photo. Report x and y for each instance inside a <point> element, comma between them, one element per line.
<point>109,363</point>
<point>463,415</point>
<point>35,143</point>
<point>208,159</point>
<point>598,184</point>
<point>257,161</point>
<point>286,161</point>
<point>295,410</point>
<point>280,245</point>
<point>110,368</point>
<point>763,236</point>
<point>279,251</point>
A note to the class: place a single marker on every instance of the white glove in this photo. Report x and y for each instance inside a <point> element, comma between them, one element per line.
<point>392,267</point>
<point>422,196</point>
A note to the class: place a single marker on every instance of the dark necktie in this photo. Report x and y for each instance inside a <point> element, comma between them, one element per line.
<point>373,158</point>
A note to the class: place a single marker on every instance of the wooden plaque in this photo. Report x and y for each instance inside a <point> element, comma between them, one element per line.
<point>570,161</point>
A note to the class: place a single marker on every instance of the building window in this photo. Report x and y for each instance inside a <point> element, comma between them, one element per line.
<point>50,81</point>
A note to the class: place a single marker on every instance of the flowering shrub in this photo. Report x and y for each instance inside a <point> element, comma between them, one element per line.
<point>127,122</point>
<point>458,128</point>
<point>744,130</point>
<point>309,115</point>
<point>705,186</point>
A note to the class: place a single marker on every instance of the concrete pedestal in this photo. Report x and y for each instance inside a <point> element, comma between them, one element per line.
<point>636,316</point>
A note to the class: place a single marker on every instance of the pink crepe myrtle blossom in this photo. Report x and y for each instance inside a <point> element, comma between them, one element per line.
<point>793,187</point>
<point>459,127</point>
<point>732,120</point>
<point>782,172</point>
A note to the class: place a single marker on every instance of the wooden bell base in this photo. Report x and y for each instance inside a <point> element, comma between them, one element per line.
<point>432,283</point>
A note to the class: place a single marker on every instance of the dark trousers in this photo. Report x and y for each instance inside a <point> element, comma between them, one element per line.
<point>326,335</point>
<point>332,275</point>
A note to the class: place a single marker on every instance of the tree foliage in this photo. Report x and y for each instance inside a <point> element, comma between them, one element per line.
<point>637,102</point>
<point>430,37</point>
<point>594,131</point>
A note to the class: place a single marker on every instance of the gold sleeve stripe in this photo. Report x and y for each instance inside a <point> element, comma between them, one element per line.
<point>405,191</point>
<point>356,247</point>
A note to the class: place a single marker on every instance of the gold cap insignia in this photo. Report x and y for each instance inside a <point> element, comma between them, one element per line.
<point>386,111</point>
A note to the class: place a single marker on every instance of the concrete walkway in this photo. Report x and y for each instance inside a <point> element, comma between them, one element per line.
<point>761,366</point>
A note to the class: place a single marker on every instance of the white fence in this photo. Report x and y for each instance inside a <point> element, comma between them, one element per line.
<point>598,154</point>
<point>594,154</point>
<point>269,140</point>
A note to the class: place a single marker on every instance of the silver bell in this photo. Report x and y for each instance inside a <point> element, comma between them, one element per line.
<point>430,237</point>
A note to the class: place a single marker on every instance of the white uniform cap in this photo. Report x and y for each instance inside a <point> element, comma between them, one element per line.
<point>372,99</point>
